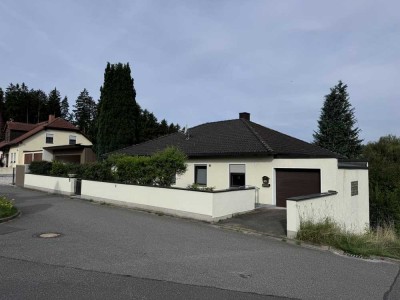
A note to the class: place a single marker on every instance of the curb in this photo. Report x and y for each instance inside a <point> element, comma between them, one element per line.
<point>6,219</point>
<point>303,244</point>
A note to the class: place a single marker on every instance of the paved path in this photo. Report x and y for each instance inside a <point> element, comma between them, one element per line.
<point>106,250</point>
<point>267,220</point>
<point>6,179</point>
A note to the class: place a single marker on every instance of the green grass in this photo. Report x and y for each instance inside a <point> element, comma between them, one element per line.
<point>6,207</point>
<point>382,241</point>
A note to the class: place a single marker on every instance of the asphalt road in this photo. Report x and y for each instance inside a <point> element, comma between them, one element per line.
<point>109,252</point>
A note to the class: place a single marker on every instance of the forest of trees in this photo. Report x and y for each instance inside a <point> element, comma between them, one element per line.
<point>117,101</point>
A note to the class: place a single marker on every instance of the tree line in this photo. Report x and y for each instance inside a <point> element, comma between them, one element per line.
<point>115,121</point>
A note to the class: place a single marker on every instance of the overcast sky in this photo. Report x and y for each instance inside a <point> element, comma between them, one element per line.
<point>202,61</point>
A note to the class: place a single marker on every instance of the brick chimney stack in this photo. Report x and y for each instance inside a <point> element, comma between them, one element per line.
<point>244,115</point>
<point>51,118</point>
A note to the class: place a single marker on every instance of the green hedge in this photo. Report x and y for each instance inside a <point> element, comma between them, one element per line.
<point>40,167</point>
<point>159,169</point>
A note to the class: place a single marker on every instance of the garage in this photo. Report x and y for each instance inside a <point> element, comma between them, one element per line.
<point>296,182</point>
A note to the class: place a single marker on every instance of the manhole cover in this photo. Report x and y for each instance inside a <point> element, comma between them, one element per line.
<point>49,235</point>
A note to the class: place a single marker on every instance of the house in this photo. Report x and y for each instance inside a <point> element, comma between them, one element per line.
<point>54,139</point>
<point>236,153</point>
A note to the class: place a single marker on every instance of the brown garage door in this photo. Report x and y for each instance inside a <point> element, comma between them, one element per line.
<point>296,182</point>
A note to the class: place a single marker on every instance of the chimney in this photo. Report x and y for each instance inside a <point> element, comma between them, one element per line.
<point>51,118</point>
<point>244,115</point>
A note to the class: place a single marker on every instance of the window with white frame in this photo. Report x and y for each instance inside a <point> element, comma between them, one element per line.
<point>49,138</point>
<point>237,175</point>
<point>72,139</point>
<point>200,174</point>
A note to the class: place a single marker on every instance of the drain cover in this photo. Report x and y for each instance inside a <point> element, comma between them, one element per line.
<point>49,235</point>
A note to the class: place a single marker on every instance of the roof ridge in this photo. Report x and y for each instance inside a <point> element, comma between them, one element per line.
<point>253,131</point>
<point>214,122</point>
<point>157,138</point>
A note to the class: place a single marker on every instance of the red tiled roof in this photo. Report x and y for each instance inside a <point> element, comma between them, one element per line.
<point>20,126</point>
<point>57,123</point>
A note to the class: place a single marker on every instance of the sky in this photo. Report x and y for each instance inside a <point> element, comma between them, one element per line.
<point>202,61</point>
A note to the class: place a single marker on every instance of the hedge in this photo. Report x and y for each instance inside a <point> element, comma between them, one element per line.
<point>159,169</point>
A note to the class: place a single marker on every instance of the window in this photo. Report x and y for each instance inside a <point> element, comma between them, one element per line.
<point>72,139</point>
<point>354,188</point>
<point>237,175</point>
<point>200,175</point>
<point>49,138</point>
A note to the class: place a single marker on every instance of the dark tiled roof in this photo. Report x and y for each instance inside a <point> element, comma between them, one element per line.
<point>57,123</point>
<point>238,137</point>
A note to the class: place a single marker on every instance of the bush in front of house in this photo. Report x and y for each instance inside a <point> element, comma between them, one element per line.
<point>60,169</point>
<point>97,171</point>
<point>40,167</point>
<point>159,169</point>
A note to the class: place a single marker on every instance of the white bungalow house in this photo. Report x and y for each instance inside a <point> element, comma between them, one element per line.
<point>55,139</point>
<point>235,153</point>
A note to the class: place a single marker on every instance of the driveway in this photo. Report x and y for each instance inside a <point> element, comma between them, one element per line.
<point>265,219</point>
<point>106,251</point>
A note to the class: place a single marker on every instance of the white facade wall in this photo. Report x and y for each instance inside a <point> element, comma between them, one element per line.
<point>56,185</point>
<point>349,212</point>
<point>36,143</point>
<point>185,203</point>
<point>256,168</point>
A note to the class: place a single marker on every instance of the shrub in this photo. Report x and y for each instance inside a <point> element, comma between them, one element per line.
<point>159,169</point>
<point>6,207</point>
<point>167,164</point>
<point>197,187</point>
<point>97,171</point>
<point>61,169</point>
<point>40,167</point>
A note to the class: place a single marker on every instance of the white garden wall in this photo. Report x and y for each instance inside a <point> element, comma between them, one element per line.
<point>349,212</point>
<point>56,185</point>
<point>208,206</point>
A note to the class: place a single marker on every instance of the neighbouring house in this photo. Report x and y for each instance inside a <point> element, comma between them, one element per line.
<point>54,139</point>
<point>239,152</point>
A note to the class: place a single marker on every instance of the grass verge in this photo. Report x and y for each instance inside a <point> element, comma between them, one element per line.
<point>382,241</point>
<point>7,208</point>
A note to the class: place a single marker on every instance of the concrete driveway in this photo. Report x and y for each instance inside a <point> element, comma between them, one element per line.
<point>106,251</point>
<point>266,220</point>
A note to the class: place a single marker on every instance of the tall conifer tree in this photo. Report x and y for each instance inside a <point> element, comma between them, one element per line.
<point>336,127</point>
<point>65,109</point>
<point>85,112</point>
<point>54,103</point>
<point>118,111</point>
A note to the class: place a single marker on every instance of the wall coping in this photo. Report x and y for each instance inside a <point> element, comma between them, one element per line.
<point>312,196</point>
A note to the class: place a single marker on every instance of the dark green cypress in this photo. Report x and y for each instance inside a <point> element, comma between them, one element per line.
<point>336,127</point>
<point>118,112</point>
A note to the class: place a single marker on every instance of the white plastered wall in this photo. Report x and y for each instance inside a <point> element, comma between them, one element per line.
<point>351,213</point>
<point>36,143</point>
<point>256,168</point>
